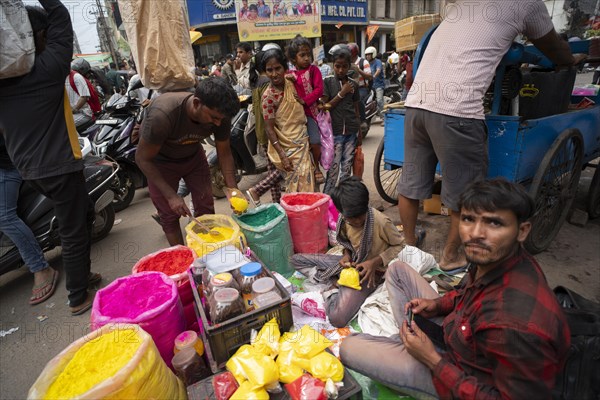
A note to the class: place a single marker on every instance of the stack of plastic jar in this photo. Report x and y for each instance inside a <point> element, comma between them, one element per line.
<point>264,292</point>
<point>188,339</point>
<point>249,273</point>
<point>221,281</point>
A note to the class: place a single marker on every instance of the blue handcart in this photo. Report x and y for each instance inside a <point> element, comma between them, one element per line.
<point>545,154</point>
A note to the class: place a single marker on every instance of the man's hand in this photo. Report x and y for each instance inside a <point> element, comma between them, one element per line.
<point>366,270</point>
<point>419,345</point>
<point>290,77</point>
<point>287,164</point>
<point>177,204</point>
<point>347,88</point>
<point>237,63</point>
<point>426,308</point>
<point>236,193</point>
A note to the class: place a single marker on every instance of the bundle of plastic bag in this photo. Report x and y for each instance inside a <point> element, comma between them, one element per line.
<point>288,371</point>
<point>324,122</point>
<point>17,48</point>
<point>117,361</point>
<point>350,277</point>
<point>266,340</point>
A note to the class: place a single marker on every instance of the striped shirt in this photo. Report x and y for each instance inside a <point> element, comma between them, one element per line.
<point>461,58</point>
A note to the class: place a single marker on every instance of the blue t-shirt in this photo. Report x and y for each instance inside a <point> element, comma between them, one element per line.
<point>378,82</point>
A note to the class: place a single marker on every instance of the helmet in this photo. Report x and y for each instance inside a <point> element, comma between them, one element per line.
<point>80,65</point>
<point>353,49</point>
<point>371,50</point>
<point>394,58</point>
<point>270,46</point>
<point>337,47</point>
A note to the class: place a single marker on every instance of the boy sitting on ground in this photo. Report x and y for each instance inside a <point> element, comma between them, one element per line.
<point>370,241</point>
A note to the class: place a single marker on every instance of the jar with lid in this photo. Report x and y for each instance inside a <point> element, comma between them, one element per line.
<point>190,367</point>
<point>221,281</point>
<point>188,339</point>
<point>264,292</point>
<point>198,269</point>
<point>225,304</point>
<point>249,273</point>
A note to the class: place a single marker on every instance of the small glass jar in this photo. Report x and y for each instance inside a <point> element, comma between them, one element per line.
<point>198,269</point>
<point>249,274</point>
<point>190,367</point>
<point>188,339</point>
<point>225,304</point>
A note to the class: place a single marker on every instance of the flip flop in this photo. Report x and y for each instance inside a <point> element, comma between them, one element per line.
<point>49,285</point>
<point>255,203</point>
<point>85,306</point>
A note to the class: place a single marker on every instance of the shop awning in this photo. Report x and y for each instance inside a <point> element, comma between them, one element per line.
<point>195,36</point>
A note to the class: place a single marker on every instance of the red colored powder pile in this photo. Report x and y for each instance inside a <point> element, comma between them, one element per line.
<point>170,262</point>
<point>303,199</point>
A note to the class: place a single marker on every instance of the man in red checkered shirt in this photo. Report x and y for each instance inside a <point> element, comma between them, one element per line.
<point>502,333</point>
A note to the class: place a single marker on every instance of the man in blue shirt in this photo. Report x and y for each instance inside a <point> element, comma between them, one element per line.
<point>377,72</point>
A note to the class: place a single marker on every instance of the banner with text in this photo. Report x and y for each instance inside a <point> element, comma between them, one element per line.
<point>277,19</point>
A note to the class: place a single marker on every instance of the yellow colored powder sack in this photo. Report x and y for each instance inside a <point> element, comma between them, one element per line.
<point>224,234</point>
<point>95,362</point>
<point>350,277</point>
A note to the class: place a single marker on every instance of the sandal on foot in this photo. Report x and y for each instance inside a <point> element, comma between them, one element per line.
<point>83,307</point>
<point>255,203</point>
<point>455,271</point>
<point>421,233</point>
<point>43,292</point>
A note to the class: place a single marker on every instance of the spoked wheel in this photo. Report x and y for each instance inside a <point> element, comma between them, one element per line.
<point>554,188</point>
<point>386,181</point>
<point>593,205</point>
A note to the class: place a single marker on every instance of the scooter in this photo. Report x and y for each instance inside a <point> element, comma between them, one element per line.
<point>37,211</point>
<point>370,110</point>
<point>248,155</point>
<point>393,90</point>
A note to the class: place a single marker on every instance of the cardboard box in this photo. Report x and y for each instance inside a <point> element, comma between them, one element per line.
<point>435,206</point>
<point>410,31</point>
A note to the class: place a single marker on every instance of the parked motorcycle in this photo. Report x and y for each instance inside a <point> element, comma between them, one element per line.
<point>370,110</point>
<point>393,90</point>
<point>247,153</point>
<point>114,140</point>
<point>37,211</point>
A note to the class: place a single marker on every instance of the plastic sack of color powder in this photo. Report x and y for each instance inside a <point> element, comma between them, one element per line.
<point>325,366</point>
<point>350,277</point>
<point>174,262</point>
<point>332,215</point>
<point>130,369</point>
<point>148,299</point>
<point>324,122</point>
<point>306,388</point>
<point>268,234</point>
<point>288,371</point>
<point>205,243</point>
<point>249,363</point>
<point>308,218</point>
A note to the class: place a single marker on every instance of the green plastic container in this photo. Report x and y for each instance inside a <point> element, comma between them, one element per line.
<point>268,234</point>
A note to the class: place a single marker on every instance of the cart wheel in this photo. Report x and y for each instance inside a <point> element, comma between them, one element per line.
<point>386,181</point>
<point>594,195</point>
<point>554,188</point>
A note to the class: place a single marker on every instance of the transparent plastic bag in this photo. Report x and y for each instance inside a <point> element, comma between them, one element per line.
<point>308,342</point>
<point>326,366</point>
<point>350,277</point>
<point>266,340</point>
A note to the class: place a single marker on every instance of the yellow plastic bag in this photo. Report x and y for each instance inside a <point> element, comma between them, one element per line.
<point>247,391</point>
<point>308,342</point>
<point>288,370</point>
<point>144,376</point>
<point>253,365</point>
<point>350,277</point>
<point>267,339</point>
<point>204,243</point>
<point>326,366</point>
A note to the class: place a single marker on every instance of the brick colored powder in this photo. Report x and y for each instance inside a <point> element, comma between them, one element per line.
<point>260,218</point>
<point>135,296</point>
<point>224,234</point>
<point>95,362</point>
<point>170,262</point>
<point>303,199</point>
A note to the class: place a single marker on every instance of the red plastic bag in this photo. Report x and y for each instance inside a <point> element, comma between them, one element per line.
<point>224,385</point>
<point>308,218</point>
<point>358,167</point>
<point>306,388</point>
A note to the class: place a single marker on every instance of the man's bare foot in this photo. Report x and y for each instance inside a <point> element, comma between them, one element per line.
<point>452,265</point>
<point>452,260</point>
